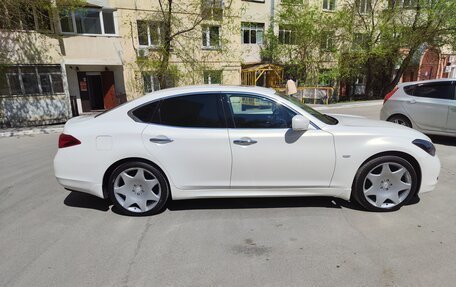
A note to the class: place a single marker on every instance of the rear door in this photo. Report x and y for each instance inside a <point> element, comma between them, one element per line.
<point>187,136</point>
<point>428,106</point>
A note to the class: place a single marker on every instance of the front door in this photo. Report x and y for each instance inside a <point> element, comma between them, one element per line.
<point>267,153</point>
<point>188,137</point>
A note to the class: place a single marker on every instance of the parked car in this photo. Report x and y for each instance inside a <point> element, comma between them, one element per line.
<point>428,106</point>
<point>218,142</point>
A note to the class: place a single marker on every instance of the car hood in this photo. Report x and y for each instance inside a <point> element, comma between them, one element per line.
<point>376,126</point>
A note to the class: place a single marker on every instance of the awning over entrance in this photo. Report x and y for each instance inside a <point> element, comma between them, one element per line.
<point>266,75</point>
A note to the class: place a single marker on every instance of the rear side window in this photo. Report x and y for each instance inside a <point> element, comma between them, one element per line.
<point>409,90</point>
<point>193,111</point>
<point>435,91</point>
<point>146,112</point>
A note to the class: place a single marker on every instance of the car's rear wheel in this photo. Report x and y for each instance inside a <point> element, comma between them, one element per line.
<point>137,188</point>
<point>400,120</point>
<point>385,183</point>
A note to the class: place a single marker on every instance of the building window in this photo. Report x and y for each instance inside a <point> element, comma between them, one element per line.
<point>211,37</point>
<point>88,21</point>
<point>292,2</point>
<point>149,32</point>
<point>25,18</point>
<point>287,35</point>
<point>252,33</point>
<point>151,82</point>
<point>212,9</point>
<point>364,6</point>
<point>327,41</point>
<point>360,40</point>
<point>329,5</point>
<point>212,77</point>
<point>31,80</point>
<point>409,3</point>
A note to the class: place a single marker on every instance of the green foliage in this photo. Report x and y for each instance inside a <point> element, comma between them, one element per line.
<point>377,43</point>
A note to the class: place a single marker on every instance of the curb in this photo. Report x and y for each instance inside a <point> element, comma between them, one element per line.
<point>32,131</point>
<point>348,105</point>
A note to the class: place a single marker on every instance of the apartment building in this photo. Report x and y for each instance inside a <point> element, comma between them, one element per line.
<point>98,56</point>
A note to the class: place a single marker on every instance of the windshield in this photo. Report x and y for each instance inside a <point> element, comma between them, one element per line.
<point>322,117</point>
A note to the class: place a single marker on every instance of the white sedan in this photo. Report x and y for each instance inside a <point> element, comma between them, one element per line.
<point>219,142</point>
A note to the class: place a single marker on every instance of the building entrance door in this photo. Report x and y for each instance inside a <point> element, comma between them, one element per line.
<point>97,90</point>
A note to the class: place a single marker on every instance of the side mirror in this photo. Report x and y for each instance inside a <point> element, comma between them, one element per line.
<point>300,123</point>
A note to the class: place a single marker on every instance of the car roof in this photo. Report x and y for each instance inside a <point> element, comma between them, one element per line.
<point>426,81</point>
<point>207,88</point>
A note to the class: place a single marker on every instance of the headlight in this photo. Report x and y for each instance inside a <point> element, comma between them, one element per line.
<point>425,145</point>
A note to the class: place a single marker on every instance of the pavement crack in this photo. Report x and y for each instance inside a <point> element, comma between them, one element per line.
<point>126,278</point>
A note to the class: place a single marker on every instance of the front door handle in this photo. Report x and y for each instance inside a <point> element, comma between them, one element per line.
<point>412,101</point>
<point>245,141</point>
<point>161,140</point>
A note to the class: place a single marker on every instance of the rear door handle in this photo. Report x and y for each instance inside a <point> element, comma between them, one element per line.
<point>161,140</point>
<point>245,141</point>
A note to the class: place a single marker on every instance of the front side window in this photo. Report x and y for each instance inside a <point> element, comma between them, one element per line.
<point>322,117</point>
<point>329,5</point>
<point>212,77</point>
<point>88,21</point>
<point>211,37</point>
<point>255,112</point>
<point>435,91</point>
<point>149,32</point>
<point>252,33</point>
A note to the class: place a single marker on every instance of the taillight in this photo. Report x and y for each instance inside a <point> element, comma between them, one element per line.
<point>67,141</point>
<point>390,94</point>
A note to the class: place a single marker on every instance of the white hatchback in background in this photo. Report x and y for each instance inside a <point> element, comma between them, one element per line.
<point>428,106</point>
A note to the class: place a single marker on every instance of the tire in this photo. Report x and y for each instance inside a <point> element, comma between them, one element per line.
<point>400,120</point>
<point>385,183</point>
<point>138,189</point>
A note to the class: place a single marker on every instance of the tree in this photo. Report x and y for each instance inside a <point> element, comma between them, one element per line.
<point>387,35</point>
<point>37,16</point>
<point>181,26</point>
<point>307,42</point>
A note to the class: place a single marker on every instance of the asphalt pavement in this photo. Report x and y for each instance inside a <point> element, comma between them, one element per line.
<point>53,237</point>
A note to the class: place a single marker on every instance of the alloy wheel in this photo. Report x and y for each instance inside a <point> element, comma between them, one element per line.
<point>137,190</point>
<point>387,185</point>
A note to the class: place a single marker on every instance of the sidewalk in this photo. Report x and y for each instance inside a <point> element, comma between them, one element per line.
<point>345,105</point>
<point>26,131</point>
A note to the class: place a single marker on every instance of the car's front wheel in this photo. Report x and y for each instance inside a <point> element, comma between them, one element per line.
<point>137,188</point>
<point>385,183</point>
